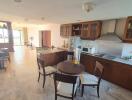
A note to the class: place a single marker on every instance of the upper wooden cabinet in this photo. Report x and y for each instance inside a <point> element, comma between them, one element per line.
<point>86,30</point>
<point>66,30</point>
<point>76,29</point>
<point>128,30</point>
<point>91,30</point>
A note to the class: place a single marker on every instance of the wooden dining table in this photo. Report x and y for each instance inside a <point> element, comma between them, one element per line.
<point>69,67</point>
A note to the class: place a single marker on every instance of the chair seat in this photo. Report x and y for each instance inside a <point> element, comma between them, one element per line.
<point>48,70</point>
<point>65,89</point>
<point>88,79</point>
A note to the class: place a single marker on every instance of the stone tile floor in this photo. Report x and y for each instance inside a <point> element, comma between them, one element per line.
<point>19,82</point>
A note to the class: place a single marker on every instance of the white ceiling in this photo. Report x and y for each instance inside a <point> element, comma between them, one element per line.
<point>62,11</point>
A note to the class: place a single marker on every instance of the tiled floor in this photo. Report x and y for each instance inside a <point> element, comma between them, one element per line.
<point>19,82</point>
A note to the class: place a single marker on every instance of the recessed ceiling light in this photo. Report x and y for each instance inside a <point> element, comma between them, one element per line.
<point>42,18</point>
<point>18,1</point>
<point>26,19</point>
<point>79,20</point>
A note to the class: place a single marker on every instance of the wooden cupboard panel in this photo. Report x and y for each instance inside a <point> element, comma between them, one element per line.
<point>128,30</point>
<point>66,30</point>
<point>115,72</point>
<point>91,30</point>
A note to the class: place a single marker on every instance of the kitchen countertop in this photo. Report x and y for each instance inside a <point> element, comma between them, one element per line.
<point>42,51</point>
<point>112,58</point>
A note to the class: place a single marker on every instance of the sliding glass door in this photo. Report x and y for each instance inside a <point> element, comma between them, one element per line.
<point>18,37</point>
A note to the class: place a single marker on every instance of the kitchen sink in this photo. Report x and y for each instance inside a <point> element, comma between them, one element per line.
<point>109,57</point>
<point>99,55</point>
<point>106,56</point>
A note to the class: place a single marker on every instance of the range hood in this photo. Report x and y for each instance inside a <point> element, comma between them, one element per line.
<point>108,32</point>
<point>110,37</point>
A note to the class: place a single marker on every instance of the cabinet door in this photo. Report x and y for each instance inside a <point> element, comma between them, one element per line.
<point>128,30</point>
<point>69,30</point>
<point>61,30</point>
<point>76,29</point>
<point>95,30</point>
<point>66,30</point>
<point>85,31</point>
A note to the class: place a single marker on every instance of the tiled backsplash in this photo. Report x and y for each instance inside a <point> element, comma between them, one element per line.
<point>108,47</point>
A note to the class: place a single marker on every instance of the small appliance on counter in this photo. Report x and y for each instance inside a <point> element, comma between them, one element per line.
<point>89,49</point>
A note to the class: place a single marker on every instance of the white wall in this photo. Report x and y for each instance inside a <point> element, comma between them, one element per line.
<point>56,40</point>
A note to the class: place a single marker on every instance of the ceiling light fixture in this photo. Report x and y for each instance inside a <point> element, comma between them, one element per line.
<point>88,6</point>
<point>42,18</point>
<point>26,19</point>
<point>18,1</point>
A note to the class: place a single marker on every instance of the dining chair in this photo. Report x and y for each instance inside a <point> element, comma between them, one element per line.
<point>66,86</point>
<point>44,70</point>
<point>87,79</point>
<point>70,55</point>
<point>3,59</point>
<point>6,52</point>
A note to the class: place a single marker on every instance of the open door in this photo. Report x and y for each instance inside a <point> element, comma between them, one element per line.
<point>46,38</point>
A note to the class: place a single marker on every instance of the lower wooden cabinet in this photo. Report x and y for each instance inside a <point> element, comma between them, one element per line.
<point>115,72</point>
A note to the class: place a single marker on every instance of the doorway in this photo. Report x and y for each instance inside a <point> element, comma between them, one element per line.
<point>46,38</point>
<point>18,37</point>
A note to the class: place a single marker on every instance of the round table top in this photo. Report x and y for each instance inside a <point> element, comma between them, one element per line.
<point>69,67</point>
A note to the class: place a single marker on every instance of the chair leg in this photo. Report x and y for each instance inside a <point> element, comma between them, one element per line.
<point>79,84</point>
<point>82,90</point>
<point>43,81</point>
<point>9,59</point>
<point>38,77</point>
<point>75,93</point>
<point>98,91</point>
<point>55,97</point>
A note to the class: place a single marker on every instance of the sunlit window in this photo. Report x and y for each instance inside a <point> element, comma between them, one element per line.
<point>4,36</point>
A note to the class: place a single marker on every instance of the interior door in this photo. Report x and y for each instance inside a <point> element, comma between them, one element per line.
<point>46,38</point>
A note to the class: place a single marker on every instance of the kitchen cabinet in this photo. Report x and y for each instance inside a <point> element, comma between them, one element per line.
<point>91,30</point>
<point>128,30</point>
<point>85,31</point>
<point>76,29</point>
<point>115,72</point>
<point>66,30</point>
<point>55,56</point>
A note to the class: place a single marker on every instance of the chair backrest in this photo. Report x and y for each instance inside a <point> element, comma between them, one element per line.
<point>65,78</point>
<point>40,63</point>
<point>70,55</point>
<point>98,71</point>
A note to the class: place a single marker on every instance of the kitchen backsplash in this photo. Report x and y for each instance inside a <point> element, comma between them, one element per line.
<point>108,47</point>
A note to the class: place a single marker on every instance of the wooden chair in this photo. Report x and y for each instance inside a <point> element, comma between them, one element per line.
<point>44,70</point>
<point>87,79</point>
<point>70,55</point>
<point>66,86</point>
<point>6,51</point>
